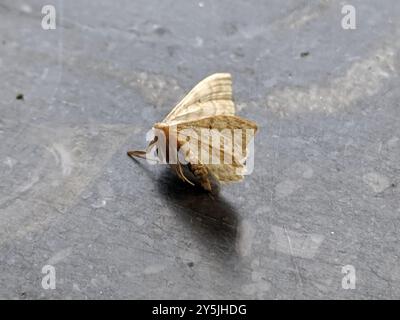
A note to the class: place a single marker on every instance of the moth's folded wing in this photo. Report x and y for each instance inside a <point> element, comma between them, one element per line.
<point>210,97</point>
<point>223,150</point>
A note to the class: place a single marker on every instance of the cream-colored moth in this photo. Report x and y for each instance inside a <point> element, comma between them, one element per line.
<point>203,130</point>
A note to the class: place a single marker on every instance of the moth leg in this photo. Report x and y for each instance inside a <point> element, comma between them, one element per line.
<point>181,175</point>
<point>201,173</point>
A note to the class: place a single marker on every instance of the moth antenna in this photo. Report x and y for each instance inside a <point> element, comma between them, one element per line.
<point>139,154</point>
<point>142,153</point>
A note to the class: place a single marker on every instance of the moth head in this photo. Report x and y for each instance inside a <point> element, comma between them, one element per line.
<point>160,125</point>
<point>160,141</point>
<point>161,128</point>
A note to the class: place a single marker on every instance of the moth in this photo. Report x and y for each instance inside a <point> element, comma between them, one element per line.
<point>202,139</point>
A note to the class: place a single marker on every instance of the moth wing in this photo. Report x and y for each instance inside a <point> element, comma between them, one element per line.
<point>225,160</point>
<point>210,97</point>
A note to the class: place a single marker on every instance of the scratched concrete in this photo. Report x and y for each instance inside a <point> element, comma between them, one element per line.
<point>324,193</point>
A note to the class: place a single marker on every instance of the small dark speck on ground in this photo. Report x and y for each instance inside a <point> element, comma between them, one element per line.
<point>304,54</point>
<point>19,96</point>
<point>190,264</point>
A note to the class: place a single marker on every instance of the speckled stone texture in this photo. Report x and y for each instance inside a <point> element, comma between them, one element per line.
<point>324,192</point>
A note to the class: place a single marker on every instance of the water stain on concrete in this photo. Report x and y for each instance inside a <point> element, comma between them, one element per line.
<point>364,78</point>
<point>60,256</point>
<point>293,243</point>
<point>376,181</point>
<point>246,234</point>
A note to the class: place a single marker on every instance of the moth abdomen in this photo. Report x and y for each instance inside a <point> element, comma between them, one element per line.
<point>202,175</point>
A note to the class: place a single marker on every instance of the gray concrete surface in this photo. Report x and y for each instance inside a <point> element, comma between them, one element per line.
<point>324,193</point>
